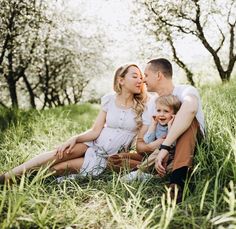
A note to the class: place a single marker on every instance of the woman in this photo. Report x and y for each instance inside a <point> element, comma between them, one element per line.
<point>114,129</point>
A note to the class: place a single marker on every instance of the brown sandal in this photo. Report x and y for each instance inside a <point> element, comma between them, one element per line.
<point>2,179</point>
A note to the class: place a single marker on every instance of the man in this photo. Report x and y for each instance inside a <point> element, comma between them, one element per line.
<point>188,122</point>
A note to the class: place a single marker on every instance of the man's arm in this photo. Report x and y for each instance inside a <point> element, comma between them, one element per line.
<point>183,119</point>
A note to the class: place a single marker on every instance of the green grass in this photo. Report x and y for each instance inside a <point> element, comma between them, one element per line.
<point>105,202</point>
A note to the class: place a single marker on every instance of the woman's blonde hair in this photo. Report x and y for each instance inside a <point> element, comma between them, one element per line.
<point>170,101</point>
<point>139,99</point>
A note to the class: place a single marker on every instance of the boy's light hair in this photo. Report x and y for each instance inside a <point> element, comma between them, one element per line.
<point>170,101</point>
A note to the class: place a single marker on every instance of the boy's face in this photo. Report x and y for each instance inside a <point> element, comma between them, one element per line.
<point>164,113</point>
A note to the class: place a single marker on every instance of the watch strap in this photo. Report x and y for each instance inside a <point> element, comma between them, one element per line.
<point>168,148</point>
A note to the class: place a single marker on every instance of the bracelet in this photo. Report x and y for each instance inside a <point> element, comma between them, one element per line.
<point>168,148</point>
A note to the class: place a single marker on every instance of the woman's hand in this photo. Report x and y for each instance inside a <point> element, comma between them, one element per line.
<point>65,148</point>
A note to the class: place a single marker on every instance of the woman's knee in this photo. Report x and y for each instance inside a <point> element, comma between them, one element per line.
<point>79,149</point>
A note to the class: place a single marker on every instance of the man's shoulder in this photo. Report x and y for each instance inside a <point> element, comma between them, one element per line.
<point>184,89</point>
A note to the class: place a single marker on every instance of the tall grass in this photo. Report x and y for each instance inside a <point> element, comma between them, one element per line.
<point>38,201</point>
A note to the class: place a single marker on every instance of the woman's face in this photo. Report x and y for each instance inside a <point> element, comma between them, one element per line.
<point>133,81</point>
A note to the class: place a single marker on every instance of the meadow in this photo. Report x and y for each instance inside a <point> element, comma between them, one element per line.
<point>38,201</point>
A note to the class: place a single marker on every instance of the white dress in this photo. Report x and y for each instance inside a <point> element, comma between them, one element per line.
<point>117,134</point>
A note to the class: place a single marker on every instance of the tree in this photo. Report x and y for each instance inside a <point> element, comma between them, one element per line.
<point>46,53</point>
<point>212,22</point>
<point>69,57</point>
<point>19,28</point>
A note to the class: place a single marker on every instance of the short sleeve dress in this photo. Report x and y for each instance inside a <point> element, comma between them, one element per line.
<point>119,130</point>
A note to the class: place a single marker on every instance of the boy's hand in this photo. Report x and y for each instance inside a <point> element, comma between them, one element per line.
<point>156,144</point>
<point>171,121</point>
<point>154,119</point>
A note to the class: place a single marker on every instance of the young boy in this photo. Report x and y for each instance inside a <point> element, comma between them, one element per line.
<point>166,108</point>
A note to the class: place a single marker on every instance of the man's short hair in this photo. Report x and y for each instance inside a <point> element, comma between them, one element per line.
<point>162,65</point>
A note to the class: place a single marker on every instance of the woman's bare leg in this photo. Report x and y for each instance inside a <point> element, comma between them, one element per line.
<point>47,158</point>
<point>68,167</point>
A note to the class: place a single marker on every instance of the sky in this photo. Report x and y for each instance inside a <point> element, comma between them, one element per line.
<point>115,16</point>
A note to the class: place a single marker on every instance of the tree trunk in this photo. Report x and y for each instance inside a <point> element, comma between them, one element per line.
<point>67,97</point>
<point>178,61</point>
<point>12,89</point>
<point>30,91</point>
<point>11,79</point>
<point>3,104</point>
<point>46,85</point>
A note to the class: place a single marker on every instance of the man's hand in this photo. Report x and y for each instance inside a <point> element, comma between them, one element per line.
<point>161,162</point>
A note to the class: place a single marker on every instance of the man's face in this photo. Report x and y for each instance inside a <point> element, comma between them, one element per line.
<point>150,78</point>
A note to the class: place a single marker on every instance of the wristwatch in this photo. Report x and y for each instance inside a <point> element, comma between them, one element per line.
<point>168,148</point>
